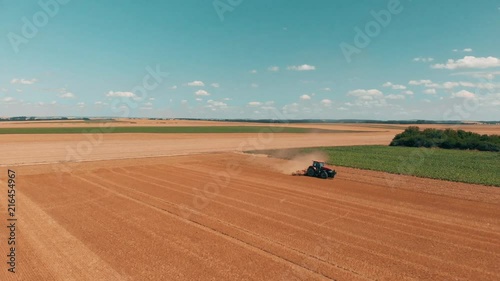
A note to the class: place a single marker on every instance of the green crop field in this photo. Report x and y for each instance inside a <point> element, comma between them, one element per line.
<point>169,130</point>
<point>452,165</point>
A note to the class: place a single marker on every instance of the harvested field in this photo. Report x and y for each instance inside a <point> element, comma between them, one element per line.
<point>172,130</point>
<point>236,217</point>
<point>124,122</point>
<point>51,148</point>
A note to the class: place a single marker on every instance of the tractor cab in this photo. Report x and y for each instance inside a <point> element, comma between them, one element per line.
<point>318,165</point>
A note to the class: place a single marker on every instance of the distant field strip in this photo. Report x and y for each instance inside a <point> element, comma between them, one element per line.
<point>453,165</point>
<point>172,130</point>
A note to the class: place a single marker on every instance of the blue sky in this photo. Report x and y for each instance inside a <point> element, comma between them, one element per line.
<point>383,59</point>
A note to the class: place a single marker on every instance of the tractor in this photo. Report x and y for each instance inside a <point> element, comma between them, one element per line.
<point>317,169</point>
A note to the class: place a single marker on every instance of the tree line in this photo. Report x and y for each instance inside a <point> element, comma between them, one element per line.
<point>448,139</point>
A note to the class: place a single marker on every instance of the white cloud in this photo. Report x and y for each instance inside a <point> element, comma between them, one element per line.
<point>173,87</point>
<point>366,93</point>
<point>430,91</point>
<point>67,95</point>
<point>395,97</point>
<point>291,108</point>
<point>23,81</point>
<point>184,101</point>
<point>268,108</point>
<point>121,94</point>
<point>419,82</point>
<point>216,104</point>
<point>394,86</point>
<point>304,67</point>
<point>215,85</point>
<point>199,99</point>
<point>253,71</point>
<point>451,85</point>
<point>19,90</point>
<point>305,97</point>
<point>196,84</point>
<point>80,104</point>
<point>202,93</point>
<point>273,68</point>
<point>422,59</point>
<point>254,85</point>
<point>254,103</point>
<point>466,50</point>
<point>8,99</point>
<point>469,62</point>
<point>464,94</point>
<point>408,93</point>
<point>269,102</point>
<point>488,86</point>
<point>227,99</point>
<point>327,89</point>
<point>372,99</point>
<point>490,75</point>
<point>326,102</point>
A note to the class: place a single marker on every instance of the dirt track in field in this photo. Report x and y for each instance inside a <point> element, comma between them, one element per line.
<point>233,217</point>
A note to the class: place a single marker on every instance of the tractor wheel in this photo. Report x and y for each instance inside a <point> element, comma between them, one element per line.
<point>310,172</point>
<point>324,175</point>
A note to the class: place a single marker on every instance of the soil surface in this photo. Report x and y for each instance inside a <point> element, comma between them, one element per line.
<point>233,216</point>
